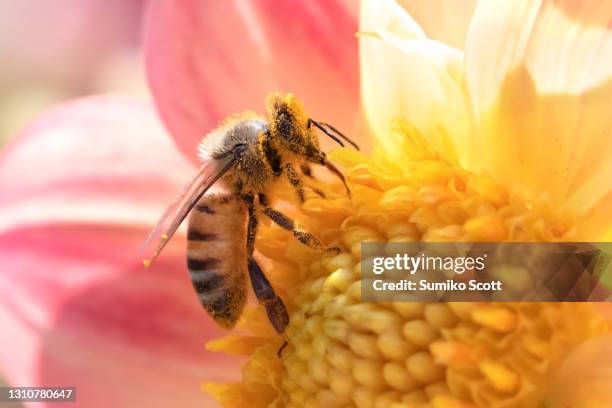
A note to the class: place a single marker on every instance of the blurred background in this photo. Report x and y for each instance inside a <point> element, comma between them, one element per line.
<point>55,50</point>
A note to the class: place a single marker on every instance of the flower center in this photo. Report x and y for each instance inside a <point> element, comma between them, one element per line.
<point>342,352</point>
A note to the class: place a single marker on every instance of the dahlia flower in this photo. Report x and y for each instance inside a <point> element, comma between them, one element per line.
<point>504,139</point>
<point>493,135</point>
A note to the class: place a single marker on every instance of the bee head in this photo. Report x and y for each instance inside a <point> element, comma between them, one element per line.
<point>289,123</point>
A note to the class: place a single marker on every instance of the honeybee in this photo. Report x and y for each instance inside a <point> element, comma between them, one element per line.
<point>246,154</point>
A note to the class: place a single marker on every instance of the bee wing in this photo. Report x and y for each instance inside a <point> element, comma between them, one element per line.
<point>209,173</point>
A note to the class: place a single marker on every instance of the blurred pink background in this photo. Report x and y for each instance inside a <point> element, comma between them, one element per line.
<point>85,182</point>
<point>54,50</point>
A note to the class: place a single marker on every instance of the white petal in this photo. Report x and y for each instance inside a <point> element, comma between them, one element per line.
<point>443,20</point>
<point>405,75</point>
<point>539,75</point>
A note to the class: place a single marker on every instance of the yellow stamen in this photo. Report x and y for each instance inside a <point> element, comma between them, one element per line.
<point>343,352</point>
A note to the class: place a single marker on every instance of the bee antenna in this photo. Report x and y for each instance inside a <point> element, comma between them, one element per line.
<point>343,136</point>
<point>326,128</point>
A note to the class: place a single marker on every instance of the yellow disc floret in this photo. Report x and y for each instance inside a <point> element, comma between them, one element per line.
<point>345,353</point>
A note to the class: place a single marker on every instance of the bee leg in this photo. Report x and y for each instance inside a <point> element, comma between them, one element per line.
<point>303,236</point>
<point>275,308</point>
<point>317,191</point>
<point>339,174</point>
<point>307,171</point>
<point>295,180</point>
<point>251,224</point>
<point>264,292</point>
<point>316,156</point>
<point>279,353</point>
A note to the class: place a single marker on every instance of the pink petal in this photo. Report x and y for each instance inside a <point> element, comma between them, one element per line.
<point>77,310</point>
<point>77,35</point>
<point>102,158</point>
<point>208,59</point>
<point>81,189</point>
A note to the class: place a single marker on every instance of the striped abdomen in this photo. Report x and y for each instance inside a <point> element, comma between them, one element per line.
<point>216,256</point>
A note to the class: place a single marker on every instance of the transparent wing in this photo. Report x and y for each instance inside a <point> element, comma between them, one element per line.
<point>209,173</point>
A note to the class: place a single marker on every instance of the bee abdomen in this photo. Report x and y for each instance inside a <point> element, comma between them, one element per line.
<point>202,265</point>
<point>217,297</point>
<point>216,256</point>
<point>195,235</point>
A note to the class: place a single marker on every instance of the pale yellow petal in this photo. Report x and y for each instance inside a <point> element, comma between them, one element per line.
<point>388,16</point>
<point>596,223</point>
<point>496,44</point>
<point>540,81</point>
<point>566,46</point>
<point>405,75</point>
<point>442,20</point>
